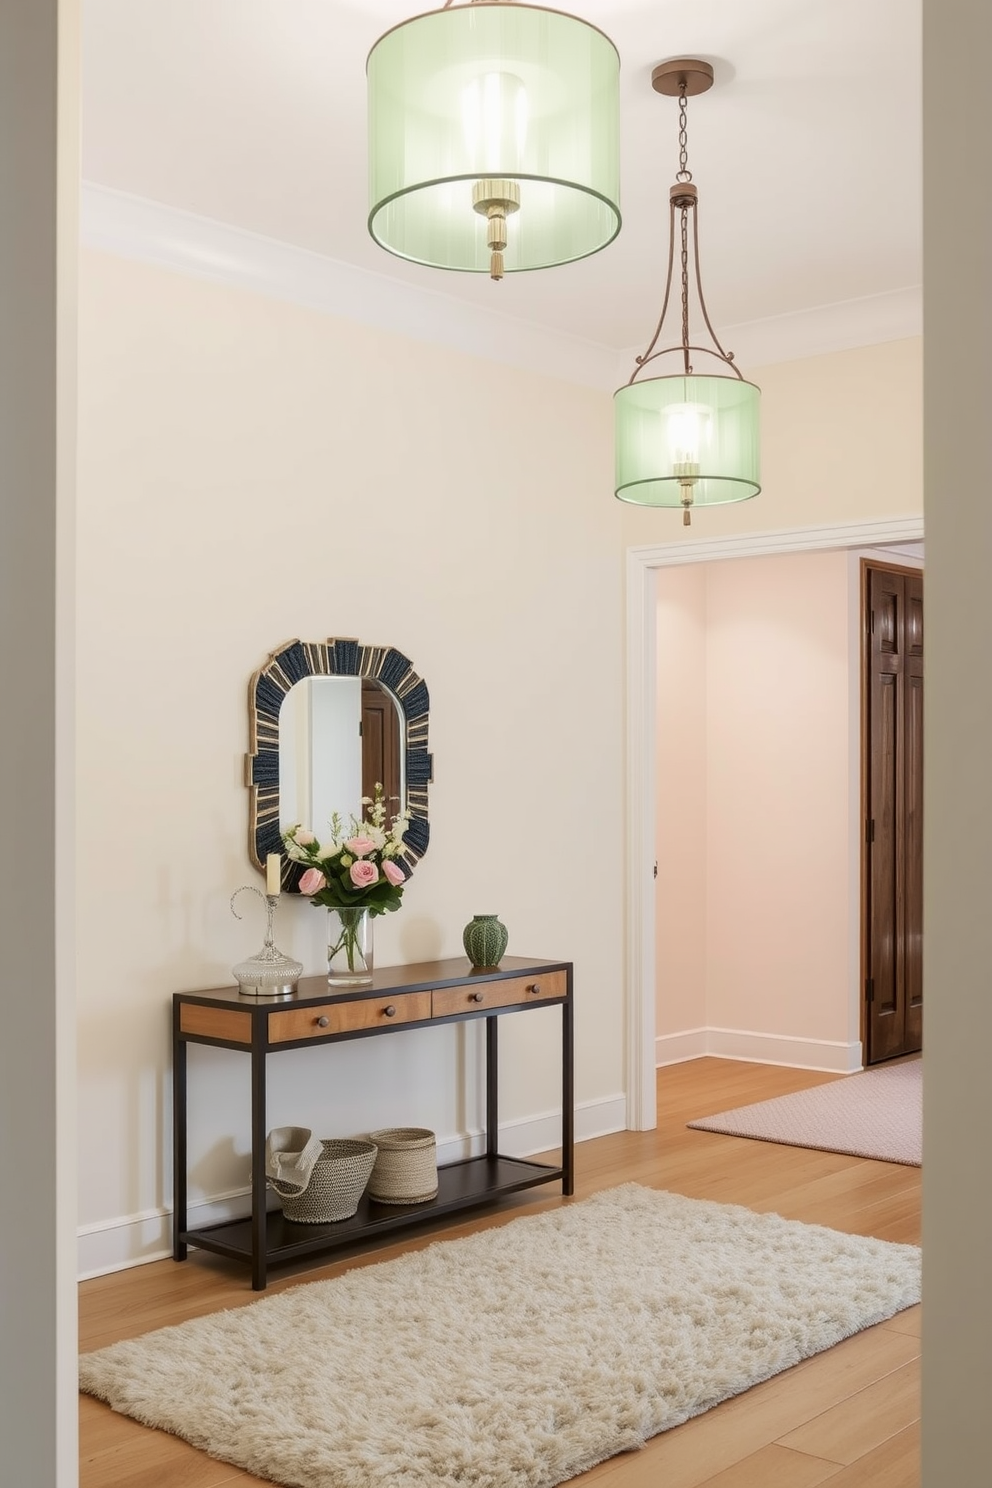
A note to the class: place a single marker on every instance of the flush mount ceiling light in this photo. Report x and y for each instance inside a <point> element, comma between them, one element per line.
<point>493,138</point>
<point>686,439</point>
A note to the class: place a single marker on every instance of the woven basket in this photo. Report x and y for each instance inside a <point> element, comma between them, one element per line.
<point>337,1182</point>
<point>405,1169</point>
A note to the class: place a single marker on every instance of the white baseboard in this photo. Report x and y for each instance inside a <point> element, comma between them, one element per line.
<point>676,1048</point>
<point>828,1055</point>
<point>136,1239</point>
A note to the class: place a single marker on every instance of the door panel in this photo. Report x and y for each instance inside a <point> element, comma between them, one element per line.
<point>893,761</point>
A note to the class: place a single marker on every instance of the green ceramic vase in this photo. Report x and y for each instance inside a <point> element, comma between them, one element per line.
<point>484,939</point>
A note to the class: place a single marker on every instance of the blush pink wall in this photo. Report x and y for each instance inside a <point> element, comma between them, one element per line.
<point>771,787</point>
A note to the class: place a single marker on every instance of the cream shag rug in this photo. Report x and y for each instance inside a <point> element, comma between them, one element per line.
<point>515,1358</point>
<point>878,1113</point>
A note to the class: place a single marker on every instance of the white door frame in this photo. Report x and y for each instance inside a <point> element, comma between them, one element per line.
<point>642,567</point>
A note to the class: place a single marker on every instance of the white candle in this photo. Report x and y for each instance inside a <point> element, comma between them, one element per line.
<point>273,872</point>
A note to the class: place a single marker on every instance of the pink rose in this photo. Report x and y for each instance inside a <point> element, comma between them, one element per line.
<point>360,846</point>
<point>312,881</point>
<point>393,872</point>
<point>363,874</point>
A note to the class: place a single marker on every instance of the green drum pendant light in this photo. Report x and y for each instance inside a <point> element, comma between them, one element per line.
<point>686,440</point>
<point>494,138</point>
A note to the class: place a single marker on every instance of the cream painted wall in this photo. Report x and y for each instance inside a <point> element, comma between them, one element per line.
<point>754,690</point>
<point>251,471</point>
<point>841,441</point>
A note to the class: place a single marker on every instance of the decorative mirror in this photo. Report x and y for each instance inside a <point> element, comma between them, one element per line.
<point>326,721</point>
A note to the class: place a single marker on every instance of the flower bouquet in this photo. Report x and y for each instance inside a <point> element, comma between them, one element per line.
<point>355,877</point>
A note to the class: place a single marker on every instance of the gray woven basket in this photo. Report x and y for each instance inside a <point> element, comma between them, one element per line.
<point>405,1169</point>
<point>338,1180</point>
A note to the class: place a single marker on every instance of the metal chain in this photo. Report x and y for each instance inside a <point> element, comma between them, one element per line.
<point>683,174</point>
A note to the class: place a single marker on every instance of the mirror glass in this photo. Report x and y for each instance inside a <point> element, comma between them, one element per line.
<point>338,738</point>
<point>326,721</point>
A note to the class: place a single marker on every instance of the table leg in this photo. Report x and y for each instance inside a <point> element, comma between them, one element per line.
<point>179,1214</point>
<point>492,1086</point>
<point>259,1236</point>
<point>567,1096</point>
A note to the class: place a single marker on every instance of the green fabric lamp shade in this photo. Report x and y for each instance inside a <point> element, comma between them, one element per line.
<point>687,441</point>
<point>493,102</point>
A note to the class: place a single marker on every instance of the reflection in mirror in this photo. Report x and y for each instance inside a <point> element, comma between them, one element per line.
<point>338,738</point>
<point>327,720</point>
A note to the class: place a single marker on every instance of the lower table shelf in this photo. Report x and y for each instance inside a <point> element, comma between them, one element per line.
<point>461,1185</point>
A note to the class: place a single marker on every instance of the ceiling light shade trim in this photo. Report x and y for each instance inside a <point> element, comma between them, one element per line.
<point>494,138</point>
<point>686,439</point>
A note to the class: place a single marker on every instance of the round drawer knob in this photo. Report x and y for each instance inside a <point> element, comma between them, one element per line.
<point>390,1011</point>
<point>534,988</point>
<point>477,997</point>
<point>323,1022</point>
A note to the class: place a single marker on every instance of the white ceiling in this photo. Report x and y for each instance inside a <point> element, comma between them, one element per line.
<point>807,151</point>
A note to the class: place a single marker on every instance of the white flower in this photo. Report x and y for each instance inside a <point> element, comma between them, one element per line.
<point>293,849</point>
<point>304,836</point>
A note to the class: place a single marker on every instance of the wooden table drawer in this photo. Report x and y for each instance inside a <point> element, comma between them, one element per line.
<point>325,1019</point>
<point>449,1000</point>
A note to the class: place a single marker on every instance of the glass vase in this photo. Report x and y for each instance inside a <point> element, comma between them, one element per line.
<point>349,946</point>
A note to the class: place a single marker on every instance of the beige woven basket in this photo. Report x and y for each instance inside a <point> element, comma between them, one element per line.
<point>338,1180</point>
<point>405,1169</point>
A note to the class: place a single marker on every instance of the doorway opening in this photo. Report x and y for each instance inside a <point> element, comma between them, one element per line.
<point>643,564</point>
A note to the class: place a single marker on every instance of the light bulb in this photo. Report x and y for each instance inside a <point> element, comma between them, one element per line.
<point>688,427</point>
<point>494,123</point>
<point>687,430</point>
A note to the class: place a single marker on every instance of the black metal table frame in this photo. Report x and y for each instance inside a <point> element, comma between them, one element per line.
<point>266,1236</point>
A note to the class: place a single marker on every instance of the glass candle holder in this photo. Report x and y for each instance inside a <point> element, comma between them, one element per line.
<point>268,973</point>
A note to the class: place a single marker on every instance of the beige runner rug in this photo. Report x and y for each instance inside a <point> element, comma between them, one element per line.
<point>514,1358</point>
<point>877,1113</point>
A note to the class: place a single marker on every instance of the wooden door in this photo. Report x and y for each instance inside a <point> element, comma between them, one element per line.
<point>380,745</point>
<point>893,794</point>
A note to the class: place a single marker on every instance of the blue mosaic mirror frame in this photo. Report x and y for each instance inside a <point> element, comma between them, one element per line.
<point>338,657</point>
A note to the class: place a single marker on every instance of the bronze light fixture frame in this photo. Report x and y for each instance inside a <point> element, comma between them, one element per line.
<point>683,78</point>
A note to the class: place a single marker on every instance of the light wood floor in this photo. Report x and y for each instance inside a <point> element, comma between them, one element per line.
<point>849,1416</point>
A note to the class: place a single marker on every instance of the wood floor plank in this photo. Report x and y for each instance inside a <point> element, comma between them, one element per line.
<point>895,1464</point>
<point>775,1467</point>
<point>910,1321</point>
<point>744,1435</point>
<point>864,1421</point>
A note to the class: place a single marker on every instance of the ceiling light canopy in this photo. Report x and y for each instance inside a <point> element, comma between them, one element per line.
<point>686,439</point>
<point>493,138</point>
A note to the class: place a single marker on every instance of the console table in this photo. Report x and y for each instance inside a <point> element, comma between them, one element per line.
<point>433,992</point>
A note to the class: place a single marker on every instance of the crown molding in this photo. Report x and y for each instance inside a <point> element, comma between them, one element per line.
<point>894,316</point>
<point>149,232</point>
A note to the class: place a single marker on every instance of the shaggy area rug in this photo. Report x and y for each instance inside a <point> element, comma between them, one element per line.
<point>515,1358</point>
<point>878,1113</point>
